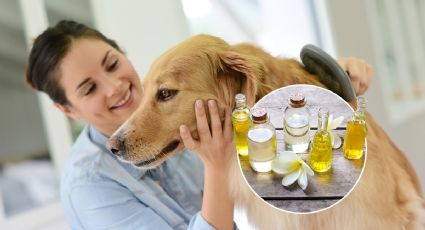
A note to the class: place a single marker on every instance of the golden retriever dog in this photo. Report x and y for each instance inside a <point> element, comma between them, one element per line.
<point>204,67</point>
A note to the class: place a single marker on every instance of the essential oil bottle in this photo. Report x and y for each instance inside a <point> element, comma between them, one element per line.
<point>261,141</point>
<point>320,157</point>
<point>241,118</point>
<point>355,135</point>
<point>296,124</point>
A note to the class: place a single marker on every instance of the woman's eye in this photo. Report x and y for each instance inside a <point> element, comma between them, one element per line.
<point>112,66</point>
<point>166,94</point>
<point>90,90</point>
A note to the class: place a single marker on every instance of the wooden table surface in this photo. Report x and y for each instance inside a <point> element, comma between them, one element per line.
<point>324,189</point>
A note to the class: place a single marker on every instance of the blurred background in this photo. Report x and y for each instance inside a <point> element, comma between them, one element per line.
<point>35,138</point>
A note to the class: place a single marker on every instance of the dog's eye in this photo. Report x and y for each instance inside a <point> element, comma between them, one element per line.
<point>165,94</point>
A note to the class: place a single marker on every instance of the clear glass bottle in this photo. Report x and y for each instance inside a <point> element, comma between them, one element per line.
<point>241,118</point>
<point>261,141</point>
<point>320,157</point>
<point>355,135</point>
<point>296,124</point>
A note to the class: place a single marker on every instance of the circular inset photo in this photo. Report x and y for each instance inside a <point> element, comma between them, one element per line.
<point>306,148</point>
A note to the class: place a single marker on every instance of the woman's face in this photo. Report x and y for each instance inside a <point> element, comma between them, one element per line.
<point>100,83</point>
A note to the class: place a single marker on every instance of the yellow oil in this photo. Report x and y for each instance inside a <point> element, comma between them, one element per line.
<point>320,157</point>
<point>241,123</point>
<point>354,141</point>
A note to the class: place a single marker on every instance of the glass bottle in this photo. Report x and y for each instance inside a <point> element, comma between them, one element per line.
<point>296,124</point>
<point>241,118</point>
<point>261,141</point>
<point>355,135</point>
<point>320,157</point>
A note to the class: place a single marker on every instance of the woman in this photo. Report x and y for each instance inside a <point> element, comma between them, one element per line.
<point>88,77</point>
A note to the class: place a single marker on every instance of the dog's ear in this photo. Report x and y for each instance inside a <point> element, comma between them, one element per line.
<point>252,70</point>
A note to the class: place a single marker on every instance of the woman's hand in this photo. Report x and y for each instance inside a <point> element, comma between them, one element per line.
<point>360,72</point>
<point>215,145</point>
<point>216,149</point>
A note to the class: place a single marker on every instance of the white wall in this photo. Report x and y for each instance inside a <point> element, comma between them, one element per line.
<point>353,37</point>
<point>144,29</point>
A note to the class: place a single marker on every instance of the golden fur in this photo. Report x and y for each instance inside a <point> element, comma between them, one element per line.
<point>388,195</point>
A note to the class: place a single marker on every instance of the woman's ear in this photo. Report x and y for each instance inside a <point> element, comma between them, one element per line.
<point>68,111</point>
<point>251,68</point>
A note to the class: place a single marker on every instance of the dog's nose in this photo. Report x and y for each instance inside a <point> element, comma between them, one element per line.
<point>115,145</point>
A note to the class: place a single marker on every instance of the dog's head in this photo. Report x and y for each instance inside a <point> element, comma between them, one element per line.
<point>202,67</point>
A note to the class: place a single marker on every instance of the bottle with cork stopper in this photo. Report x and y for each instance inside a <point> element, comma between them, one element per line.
<point>261,141</point>
<point>296,124</point>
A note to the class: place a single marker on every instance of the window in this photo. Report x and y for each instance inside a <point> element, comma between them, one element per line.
<point>398,29</point>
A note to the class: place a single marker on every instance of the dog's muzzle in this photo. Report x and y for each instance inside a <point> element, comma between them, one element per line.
<point>116,145</point>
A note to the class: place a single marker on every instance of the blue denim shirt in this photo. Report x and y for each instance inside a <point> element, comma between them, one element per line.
<point>100,192</point>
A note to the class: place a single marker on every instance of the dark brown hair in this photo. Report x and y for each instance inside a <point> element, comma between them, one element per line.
<point>47,52</point>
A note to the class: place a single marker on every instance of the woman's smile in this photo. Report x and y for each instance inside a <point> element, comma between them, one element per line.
<point>125,101</point>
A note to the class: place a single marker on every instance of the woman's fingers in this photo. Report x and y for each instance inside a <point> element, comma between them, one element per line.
<point>356,85</point>
<point>220,132</point>
<point>228,128</point>
<point>215,146</point>
<point>360,72</point>
<point>362,76</point>
<point>201,121</point>
<point>188,141</point>
<point>369,75</point>
<point>216,127</point>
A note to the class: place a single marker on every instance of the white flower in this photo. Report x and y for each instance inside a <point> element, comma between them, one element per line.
<point>294,167</point>
<point>333,124</point>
